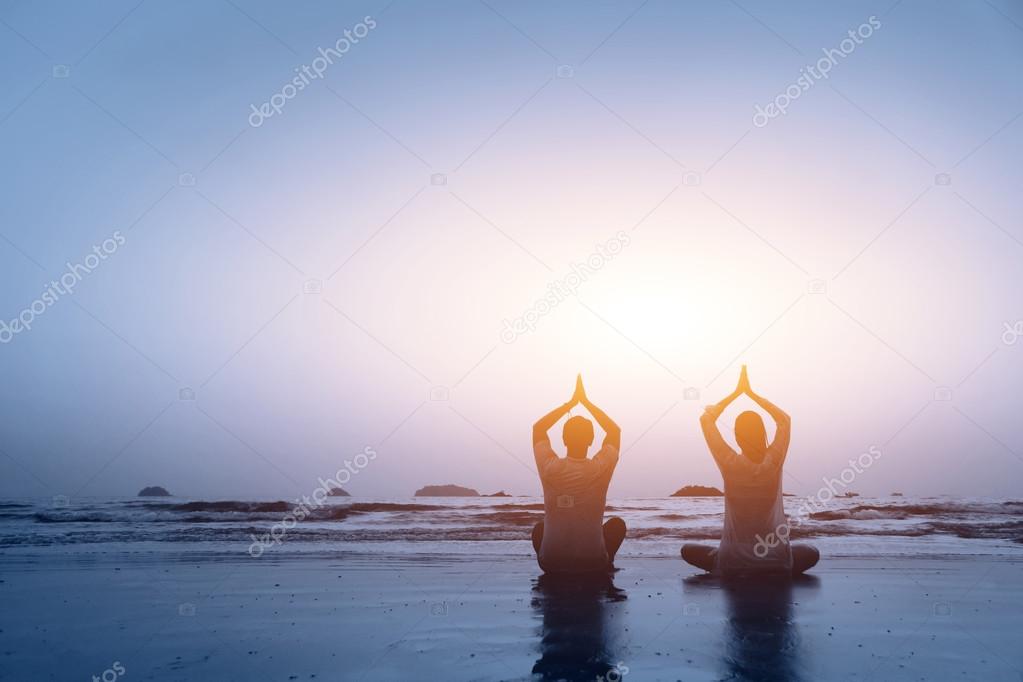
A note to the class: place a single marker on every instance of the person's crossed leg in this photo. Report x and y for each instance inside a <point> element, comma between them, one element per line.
<point>804,557</point>
<point>614,534</point>
<point>700,556</point>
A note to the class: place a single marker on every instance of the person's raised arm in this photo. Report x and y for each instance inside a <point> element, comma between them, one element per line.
<point>543,453</point>
<point>709,422</point>
<point>613,434</point>
<point>783,423</point>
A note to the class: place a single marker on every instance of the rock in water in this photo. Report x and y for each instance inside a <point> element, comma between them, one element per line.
<point>448,490</point>
<point>697,491</point>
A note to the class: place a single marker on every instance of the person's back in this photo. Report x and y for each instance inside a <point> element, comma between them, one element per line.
<point>754,508</point>
<point>573,537</point>
<point>574,497</point>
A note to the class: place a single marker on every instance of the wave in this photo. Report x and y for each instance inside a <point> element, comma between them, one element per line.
<point>340,520</point>
<point>870,512</point>
<point>686,534</point>
<point>285,507</point>
<point>1011,530</point>
<point>246,507</point>
<point>334,536</point>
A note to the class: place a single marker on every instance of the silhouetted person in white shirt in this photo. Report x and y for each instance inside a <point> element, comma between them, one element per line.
<point>573,537</point>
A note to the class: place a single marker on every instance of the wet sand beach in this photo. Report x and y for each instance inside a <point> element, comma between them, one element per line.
<point>167,615</point>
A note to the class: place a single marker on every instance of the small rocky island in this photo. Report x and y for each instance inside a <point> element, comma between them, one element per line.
<point>697,491</point>
<point>499,493</point>
<point>154,491</point>
<point>448,490</point>
<point>338,492</point>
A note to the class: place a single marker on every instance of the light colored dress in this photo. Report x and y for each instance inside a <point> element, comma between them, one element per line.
<point>754,511</point>
<point>574,497</point>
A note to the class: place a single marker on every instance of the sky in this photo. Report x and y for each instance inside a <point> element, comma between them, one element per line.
<point>252,300</point>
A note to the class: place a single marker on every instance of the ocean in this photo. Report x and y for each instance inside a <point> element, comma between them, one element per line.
<point>853,527</point>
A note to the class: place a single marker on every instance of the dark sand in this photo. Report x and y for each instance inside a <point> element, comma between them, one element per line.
<point>423,617</point>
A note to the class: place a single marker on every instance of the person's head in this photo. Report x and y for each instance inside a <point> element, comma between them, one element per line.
<point>751,435</point>
<point>578,436</point>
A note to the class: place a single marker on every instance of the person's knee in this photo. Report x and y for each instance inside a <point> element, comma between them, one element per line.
<point>700,556</point>
<point>615,524</point>
<point>807,550</point>
<point>805,557</point>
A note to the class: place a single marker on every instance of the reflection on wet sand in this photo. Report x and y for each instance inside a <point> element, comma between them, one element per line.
<point>581,630</point>
<point>761,638</point>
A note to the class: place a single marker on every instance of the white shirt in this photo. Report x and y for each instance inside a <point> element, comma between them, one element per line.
<point>574,496</point>
<point>753,511</point>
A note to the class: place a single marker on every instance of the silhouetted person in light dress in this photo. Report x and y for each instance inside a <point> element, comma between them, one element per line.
<point>755,535</point>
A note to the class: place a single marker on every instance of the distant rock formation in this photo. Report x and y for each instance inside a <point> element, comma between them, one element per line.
<point>896,494</point>
<point>448,490</point>
<point>338,492</point>
<point>154,491</point>
<point>697,491</point>
<point>499,493</point>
